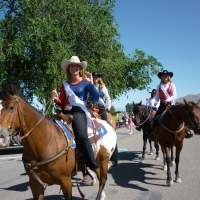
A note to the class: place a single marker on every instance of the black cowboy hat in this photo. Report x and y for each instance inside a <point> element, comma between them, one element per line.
<point>165,72</point>
<point>96,74</point>
<point>153,91</point>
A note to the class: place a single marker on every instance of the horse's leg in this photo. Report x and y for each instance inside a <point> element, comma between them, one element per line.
<point>169,178</point>
<point>156,145</point>
<point>172,158</point>
<point>37,189</point>
<point>101,173</point>
<point>144,146</point>
<point>66,186</point>
<point>151,149</point>
<point>114,157</point>
<point>177,159</point>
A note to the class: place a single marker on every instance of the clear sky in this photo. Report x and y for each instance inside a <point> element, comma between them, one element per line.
<point>169,30</point>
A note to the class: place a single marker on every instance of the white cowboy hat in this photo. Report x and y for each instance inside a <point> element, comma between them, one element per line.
<point>73,60</point>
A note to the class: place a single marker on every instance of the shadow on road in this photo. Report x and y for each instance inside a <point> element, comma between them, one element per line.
<point>128,172</point>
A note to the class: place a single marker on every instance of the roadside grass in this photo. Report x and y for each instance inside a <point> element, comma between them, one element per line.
<point>117,117</point>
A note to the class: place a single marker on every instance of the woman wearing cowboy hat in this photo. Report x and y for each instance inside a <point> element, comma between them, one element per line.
<point>151,102</point>
<point>166,93</point>
<point>150,105</point>
<point>104,102</point>
<point>72,100</point>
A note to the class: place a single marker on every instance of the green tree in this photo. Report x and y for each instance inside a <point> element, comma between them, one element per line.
<point>129,108</point>
<point>35,36</point>
<point>112,110</point>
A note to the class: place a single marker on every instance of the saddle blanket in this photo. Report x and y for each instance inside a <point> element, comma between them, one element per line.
<point>101,128</point>
<point>67,133</point>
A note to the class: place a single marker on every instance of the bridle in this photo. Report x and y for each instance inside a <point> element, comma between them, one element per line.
<point>21,115</point>
<point>168,109</point>
<point>143,115</point>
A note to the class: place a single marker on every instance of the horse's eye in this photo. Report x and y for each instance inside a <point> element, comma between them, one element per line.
<point>11,108</point>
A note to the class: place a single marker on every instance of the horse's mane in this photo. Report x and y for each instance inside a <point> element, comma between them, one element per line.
<point>8,93</point>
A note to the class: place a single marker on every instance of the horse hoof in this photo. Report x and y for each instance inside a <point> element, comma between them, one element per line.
<point>165,168</point>
<point>157,158</point>
<point>171,163</point>
<point>178,180</point>
<point>103,195</point>
<point>151,153</point>
<point>169,183</point>
<point>142,161</point>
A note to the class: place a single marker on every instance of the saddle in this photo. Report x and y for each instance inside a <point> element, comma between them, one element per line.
<point>66,119</point>
<point>94,111</point>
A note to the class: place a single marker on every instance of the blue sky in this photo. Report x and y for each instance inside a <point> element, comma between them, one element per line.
<point>169,30</point>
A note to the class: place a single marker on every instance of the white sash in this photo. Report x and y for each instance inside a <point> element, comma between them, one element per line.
<point>164,89</point>
<point>75,101</point>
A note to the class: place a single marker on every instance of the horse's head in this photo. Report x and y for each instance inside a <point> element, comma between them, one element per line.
<point>138,113</point>
<point>193,117</point>
<point>10,122</point>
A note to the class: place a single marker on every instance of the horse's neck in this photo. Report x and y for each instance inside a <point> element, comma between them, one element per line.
<point>175,115</point>
<point>44,140</point>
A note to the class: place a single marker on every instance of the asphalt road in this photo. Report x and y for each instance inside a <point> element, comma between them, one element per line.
<point>131,180</point>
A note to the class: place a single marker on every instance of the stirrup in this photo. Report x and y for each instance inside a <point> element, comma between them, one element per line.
<point>89,178</point>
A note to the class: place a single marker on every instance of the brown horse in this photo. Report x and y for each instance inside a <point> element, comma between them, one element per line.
<point>172,132</point>
<point>48,157</point>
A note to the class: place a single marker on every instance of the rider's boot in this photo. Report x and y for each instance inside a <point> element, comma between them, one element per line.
<point>188,134</point>
<point>88,176</point>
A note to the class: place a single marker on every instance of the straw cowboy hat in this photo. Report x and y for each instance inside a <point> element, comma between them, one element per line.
<point>96,74</point>
<point>73,60</point>
<point>165,72</point>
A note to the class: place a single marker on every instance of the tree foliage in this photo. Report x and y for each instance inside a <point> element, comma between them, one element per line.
<point>36,35</point>
<point>112,110</point>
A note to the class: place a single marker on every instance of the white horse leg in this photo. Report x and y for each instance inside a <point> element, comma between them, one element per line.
<point>103,195</point>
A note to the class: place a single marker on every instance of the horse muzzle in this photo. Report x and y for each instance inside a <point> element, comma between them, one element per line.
<point>4,138</point>
<point>196,131</point>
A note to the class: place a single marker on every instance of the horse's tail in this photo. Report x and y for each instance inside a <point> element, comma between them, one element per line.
<point>114,157</point>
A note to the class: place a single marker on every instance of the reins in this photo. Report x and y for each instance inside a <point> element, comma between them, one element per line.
<point>23,123</point>
<point>175,118</point>
<point>144,116</point>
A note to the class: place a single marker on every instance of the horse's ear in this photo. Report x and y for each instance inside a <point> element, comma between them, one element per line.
<point>198,103</point>
<point>133,103</point>
<point>11,89</point>
<point>140,103</point>
<point>187,103</point>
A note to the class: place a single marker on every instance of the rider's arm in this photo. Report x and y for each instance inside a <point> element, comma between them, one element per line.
<point>62,98</point>
<point>107,97</point>
<point>93,92</point>
<point>174,95</point>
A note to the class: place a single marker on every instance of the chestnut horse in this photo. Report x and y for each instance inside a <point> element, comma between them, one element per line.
<point>48,157</point>
<point>171,132</point>
<point>143,118</point>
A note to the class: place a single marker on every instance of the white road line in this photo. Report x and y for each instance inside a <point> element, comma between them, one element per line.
<point>10,157</point>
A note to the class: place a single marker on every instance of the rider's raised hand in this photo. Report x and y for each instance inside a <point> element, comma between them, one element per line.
<point>54,94</point>
<point>88,77</point>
